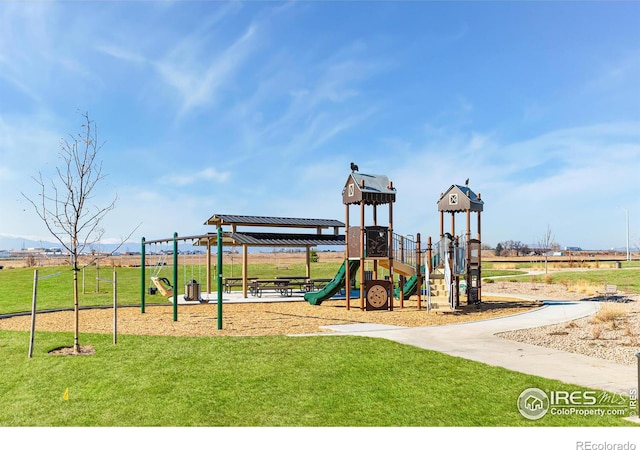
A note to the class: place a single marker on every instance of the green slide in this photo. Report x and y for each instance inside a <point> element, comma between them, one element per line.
<point>410,287</point>
<point>331,289</point>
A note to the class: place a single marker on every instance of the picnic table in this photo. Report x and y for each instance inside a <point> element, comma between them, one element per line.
<point>230,282</point>
<point>299,282</point>
<point>286,285</point>
<point>314,284</point>
<point>281,285</point>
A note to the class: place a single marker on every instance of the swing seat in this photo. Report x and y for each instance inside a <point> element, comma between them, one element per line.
<point>163,285</point>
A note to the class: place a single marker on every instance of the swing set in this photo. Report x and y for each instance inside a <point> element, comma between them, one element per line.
<point>168,288</point>
<point>163,284</point>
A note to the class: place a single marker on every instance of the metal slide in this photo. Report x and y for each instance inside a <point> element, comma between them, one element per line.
<point>335,285</point>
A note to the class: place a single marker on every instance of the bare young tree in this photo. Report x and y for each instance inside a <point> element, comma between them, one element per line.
<point>546,243</point>
<point>64,201</point>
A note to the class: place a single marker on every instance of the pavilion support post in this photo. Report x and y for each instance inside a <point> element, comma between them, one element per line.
<point>308,262</point>
<point>245,270</point>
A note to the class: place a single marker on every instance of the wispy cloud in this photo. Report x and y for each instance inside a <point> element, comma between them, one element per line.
<point>196,69</point>
<point>120,53</point>
<point>198,85</point>
<point>302,103</point>
<point>569,178</point>
<point>26,135</point>
<point>35,56</point>
<point>208,174</point>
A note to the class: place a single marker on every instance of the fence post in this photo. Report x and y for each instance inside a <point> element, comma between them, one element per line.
<point>115,307</point>
<point>33,311</point>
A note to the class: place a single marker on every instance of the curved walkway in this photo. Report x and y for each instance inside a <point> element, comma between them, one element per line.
<point>477,341</point>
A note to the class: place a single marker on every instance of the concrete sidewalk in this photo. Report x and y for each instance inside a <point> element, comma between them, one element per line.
<point>477,341</point>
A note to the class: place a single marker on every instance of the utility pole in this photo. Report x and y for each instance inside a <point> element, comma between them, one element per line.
<point>628,254</point>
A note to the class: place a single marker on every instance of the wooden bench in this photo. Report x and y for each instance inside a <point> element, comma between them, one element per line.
<point>282,286</point>
<point>230,282</point>
<point>609,289</point>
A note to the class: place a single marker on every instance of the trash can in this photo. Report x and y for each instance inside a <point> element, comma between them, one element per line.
<point>192,291</point>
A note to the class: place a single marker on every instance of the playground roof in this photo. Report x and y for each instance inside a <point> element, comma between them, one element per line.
<point>368,189</point>
<point>261,221</point>
<point>460,198</point>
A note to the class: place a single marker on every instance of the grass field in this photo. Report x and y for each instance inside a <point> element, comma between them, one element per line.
<point>16,285</point>
<point>260,381</point>
<point>267,381</point>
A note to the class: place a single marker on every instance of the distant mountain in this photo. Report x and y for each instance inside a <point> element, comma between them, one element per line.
<point>12,243</point>
<point>20,243</point>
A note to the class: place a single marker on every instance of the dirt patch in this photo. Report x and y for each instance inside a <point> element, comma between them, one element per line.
<point>261,319</point>
<point>85,350</point>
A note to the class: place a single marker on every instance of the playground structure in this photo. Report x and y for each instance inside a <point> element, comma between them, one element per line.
<point>365,246</point>
<point>374,243</point>
<point>452,260</point>
<point>447,262</point>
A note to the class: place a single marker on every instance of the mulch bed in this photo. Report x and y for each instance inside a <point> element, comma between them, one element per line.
<point>261,319</point>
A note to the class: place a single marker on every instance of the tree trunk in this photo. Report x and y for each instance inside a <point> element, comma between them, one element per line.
<point>76,310</point>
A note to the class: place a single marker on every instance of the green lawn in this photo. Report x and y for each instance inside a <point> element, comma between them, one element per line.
<point>265,381</point>
<point>16,285</point>
<point>259,381</point>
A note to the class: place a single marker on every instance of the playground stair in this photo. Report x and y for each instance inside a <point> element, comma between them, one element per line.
<point>439,297</point>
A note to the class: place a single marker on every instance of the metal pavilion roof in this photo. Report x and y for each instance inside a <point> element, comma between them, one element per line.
<point>287,239</point>
<point>262,221</point>
<point>273,239</point>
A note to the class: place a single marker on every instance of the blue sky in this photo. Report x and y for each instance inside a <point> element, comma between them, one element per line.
<point>259,107</point>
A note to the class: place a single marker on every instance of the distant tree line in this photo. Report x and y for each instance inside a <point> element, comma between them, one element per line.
<point>517,248</point>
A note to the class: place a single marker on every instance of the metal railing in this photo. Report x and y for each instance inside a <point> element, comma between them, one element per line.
<point>439,254</point>
<point>404,250</point>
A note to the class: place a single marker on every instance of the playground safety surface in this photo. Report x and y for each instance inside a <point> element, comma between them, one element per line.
<point>270,316</point>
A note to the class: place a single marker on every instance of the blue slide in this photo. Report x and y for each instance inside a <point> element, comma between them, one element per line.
<point>335,285</point>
